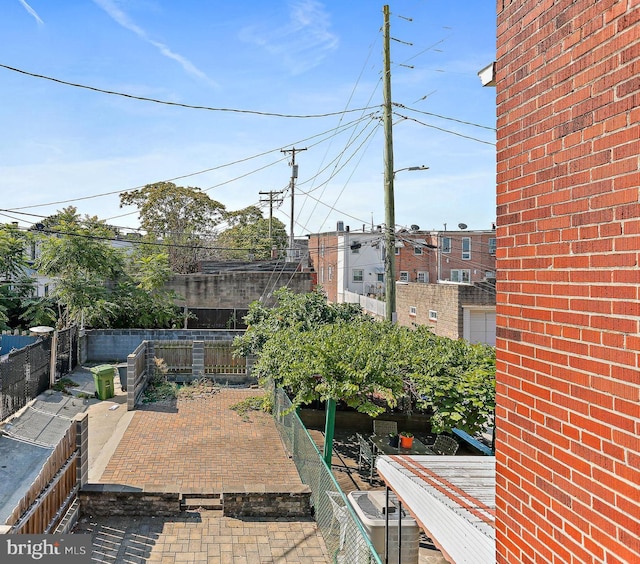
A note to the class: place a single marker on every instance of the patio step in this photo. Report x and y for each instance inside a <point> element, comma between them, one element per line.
<point>205,501</point>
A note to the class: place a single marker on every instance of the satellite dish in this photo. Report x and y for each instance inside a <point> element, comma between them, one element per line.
<point>462,225</point>
<point>415,227</point>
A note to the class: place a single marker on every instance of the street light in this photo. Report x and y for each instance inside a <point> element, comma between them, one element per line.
<point>421,167</point>
<point>390,240</point>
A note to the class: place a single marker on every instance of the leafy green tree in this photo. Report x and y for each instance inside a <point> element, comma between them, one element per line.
<point>143,300</point>
<point>15,283</point>
<point>304,311</point>
<point>77,253</point>
<point>452,378</point>
<point>248,238</point>
<point>352,361</point>
<point>179,217</point>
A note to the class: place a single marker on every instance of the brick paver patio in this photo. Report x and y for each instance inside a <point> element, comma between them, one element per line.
<point>204,538</point>
<point>200,445</point>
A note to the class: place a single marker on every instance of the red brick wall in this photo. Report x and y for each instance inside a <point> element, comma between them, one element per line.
<point>568,415</point>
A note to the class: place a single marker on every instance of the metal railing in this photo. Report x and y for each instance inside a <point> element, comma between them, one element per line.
<point>345,539</point>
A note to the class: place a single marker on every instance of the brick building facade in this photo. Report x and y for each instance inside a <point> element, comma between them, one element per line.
<point>568,309</point>
<point>354,260</point>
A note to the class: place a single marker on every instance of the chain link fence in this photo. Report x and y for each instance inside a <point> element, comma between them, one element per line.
<point>345,539</point>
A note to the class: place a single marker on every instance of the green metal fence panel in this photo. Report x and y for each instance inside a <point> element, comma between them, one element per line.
<point>345,539</point>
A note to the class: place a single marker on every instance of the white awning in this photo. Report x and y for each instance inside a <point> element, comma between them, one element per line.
<point>452,498</point>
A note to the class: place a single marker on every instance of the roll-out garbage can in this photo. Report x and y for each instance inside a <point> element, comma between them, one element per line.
<point>103,378</point>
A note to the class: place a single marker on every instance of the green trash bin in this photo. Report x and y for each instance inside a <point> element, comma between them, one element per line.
<point>103,378</point>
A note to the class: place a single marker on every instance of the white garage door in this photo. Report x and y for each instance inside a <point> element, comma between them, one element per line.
<point>480,326</point>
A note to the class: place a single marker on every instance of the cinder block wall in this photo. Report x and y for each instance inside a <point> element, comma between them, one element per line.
<point>568,414</point>
<point>235,289</point>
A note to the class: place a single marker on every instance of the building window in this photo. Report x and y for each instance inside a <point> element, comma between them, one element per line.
<point>46,290</point>
<point>397,251</point>
<point>404,276</point>
<point>445,244</point>
<point>466,248</point>
<point>321,274</point>
<point>358,275</point>
<point>321,249</point>
<point>380,276</point>
<point>330,273</point>
<point>417,250</point>
<point>461,275</point>
<point>492,246</point>
<point>423,277</point>
<point>490,274</point>
<point>355,247</point>
<point>413,310</point>
<point>433,315</point>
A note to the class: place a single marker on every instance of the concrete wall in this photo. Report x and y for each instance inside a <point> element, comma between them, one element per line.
<point>445,299</point>
<point>235,289</point>
<point>568,345</point>
<point>114,345</point>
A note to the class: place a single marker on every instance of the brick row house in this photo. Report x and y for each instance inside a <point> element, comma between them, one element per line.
<point>444,278</point>
<point>568,323</point>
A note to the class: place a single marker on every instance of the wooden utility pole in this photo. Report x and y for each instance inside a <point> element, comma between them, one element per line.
<point>389,204</point>
<point>292,183</point>
<point>271,200</point>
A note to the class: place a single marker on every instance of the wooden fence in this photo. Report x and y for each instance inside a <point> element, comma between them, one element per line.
<point>219,359</point>
<point>52,492</point>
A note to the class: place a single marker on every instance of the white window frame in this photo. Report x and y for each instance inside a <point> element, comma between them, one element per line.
<point>460,275</point>
<point>413,310</point>
<point>445,245</point>
<point>466,254</point>
<point>322,249</point>
<point>433,315</point>
<point>360,278</point>
<point>397,252</point>
<point>321,274</point>
<point>330,273</point>
<point>404,276</point>
<point>417,250</point>
<point>493,245</point>
<point>424,275</point>
<point>380,277</point>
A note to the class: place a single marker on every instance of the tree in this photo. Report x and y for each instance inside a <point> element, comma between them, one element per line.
<point>304,311</point>
<point>179,217</point>
<point>322,351</point>
<point>352,361</point>
<point>248,235</point>
<point>452,378</point>
<point>77,253</point>
<point>143,300</point>
<point>15,283</point>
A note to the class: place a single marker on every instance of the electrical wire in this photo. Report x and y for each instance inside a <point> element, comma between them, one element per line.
<point>178,104</point>
<point>445,130</point>
<point>443,117</point>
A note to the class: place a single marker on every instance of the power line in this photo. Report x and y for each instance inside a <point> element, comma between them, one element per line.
<point>445,130</point>
<point>444,117</point>
<point>178,104</point>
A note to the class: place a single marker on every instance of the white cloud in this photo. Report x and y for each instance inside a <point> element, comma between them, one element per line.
<point>301,44</point>
<point>120,17</point>
<point>31,11</point>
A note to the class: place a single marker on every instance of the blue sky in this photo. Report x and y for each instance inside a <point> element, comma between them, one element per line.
<point>293,57</point>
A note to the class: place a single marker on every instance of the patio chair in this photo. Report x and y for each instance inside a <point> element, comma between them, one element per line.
<point>340,515</point>
<point>366,456</point>
<point>445,445</point>
<point>383,428</point>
